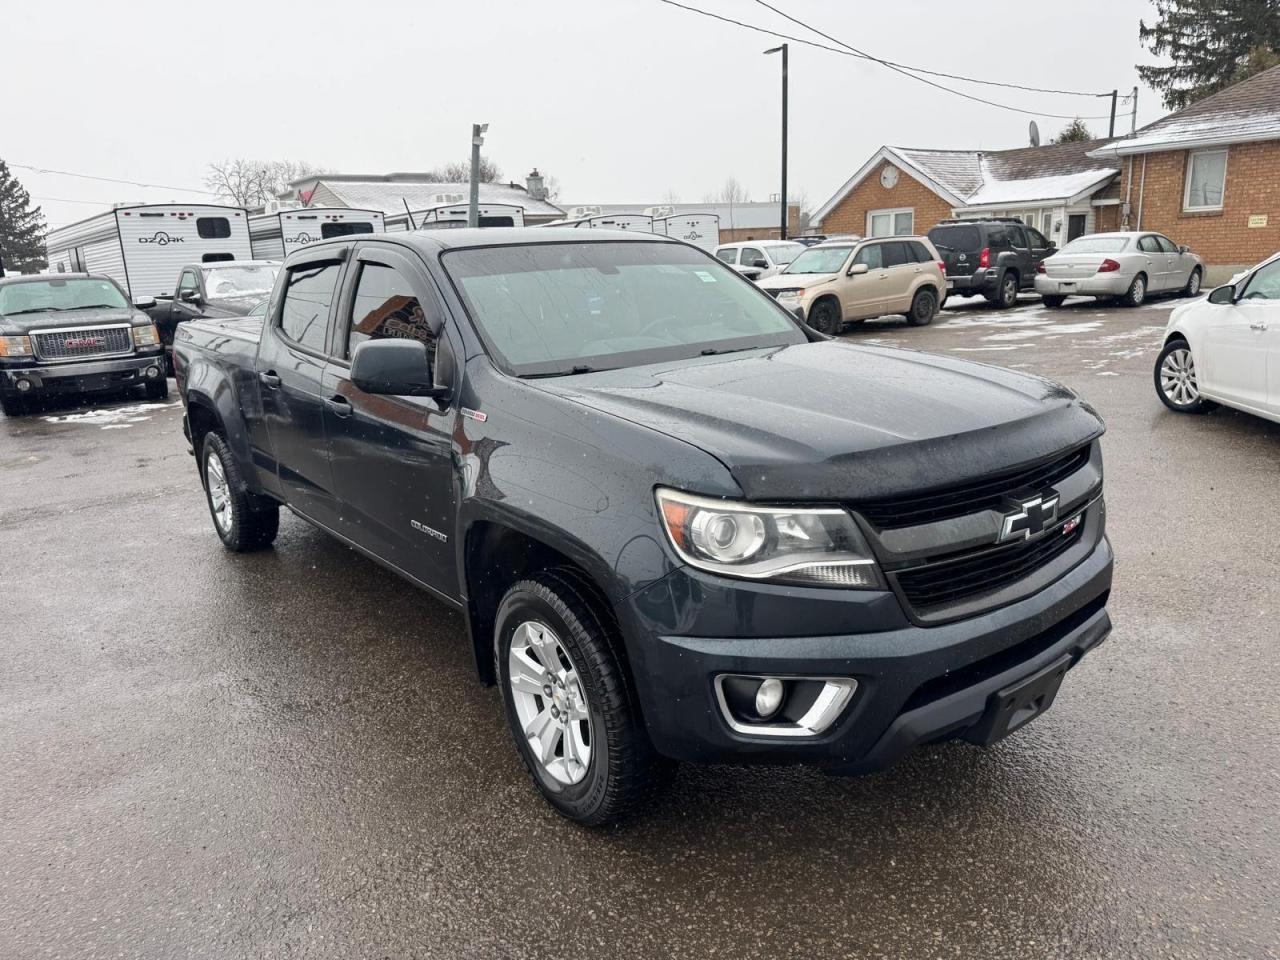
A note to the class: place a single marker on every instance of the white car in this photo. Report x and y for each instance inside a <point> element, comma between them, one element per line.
<point>1226,348</point>
<point>1128,265</point>
<point>757,259</point>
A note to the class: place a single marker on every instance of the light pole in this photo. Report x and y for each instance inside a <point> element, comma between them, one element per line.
<point>783,50</point>
<point>477,141</point>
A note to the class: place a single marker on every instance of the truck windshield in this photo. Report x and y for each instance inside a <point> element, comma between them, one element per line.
<point>819,260</point>
<point>239,281</point>
<point>558,308</point>
<point>39,296</point>
<point>785,252</point>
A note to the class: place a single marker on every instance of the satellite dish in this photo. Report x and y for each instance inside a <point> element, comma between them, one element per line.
<point>1035,134</point>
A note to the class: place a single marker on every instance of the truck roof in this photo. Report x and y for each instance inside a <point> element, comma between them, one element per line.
<point>32,277</point>
<point>434,241</point>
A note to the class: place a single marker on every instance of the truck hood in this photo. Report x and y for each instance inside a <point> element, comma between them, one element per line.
<point>28,322</point>
<point>834,421</point>
<point>796,281</point>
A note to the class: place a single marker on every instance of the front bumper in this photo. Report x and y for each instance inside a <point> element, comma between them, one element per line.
<point>80,376</point>
<point>915,684</point>
<point>1099,285</point>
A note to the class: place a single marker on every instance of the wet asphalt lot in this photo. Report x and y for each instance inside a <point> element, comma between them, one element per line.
<point>286,754</point>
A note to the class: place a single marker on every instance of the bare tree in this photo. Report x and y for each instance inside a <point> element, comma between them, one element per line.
<point>460,172</point>
<point>670,198</point>
<point>551,183</point>
<point>251,183</point>
<point>732,194</point>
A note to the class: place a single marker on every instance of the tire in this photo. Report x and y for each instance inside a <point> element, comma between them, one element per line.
<point>924,307</point>
<point>824,316</point>
<point>157,389</point>
<point>1192,289</point>
<point>593,762</point>
<point>240,525</point>
<point>1053,301</point>
<point>1136,295</point>
<point>13,406</point>
<point>1007,292</point>
<point>1175,377</point>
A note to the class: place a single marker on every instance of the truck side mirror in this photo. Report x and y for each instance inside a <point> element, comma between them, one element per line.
<point>190,296</point>
<point>144,303</point>
<point>397,368</point>
<point>760,264</point>
<point>1224,294</point>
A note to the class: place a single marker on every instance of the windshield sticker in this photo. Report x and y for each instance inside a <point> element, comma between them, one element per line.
<point>704,276</point>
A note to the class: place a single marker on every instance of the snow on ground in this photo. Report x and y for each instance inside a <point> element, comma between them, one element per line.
<point>113,418</point>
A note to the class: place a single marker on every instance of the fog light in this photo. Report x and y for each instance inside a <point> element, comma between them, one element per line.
<point>153,372</point>
<point>769,697</point>
<point>23,386</point>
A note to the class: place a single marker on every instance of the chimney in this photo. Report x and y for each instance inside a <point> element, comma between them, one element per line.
<point>533,183</point>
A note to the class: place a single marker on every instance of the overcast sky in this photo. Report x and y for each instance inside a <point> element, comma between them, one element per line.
<point>622,100</point>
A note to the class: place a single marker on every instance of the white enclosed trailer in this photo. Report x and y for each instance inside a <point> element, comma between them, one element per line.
<point>622,221</point>
<point>144,247</point>
<point>455,215</point>
<point>700,229</point>
<point>276,235</point>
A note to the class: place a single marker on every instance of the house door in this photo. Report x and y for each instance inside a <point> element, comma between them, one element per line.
<point>1075,226</point>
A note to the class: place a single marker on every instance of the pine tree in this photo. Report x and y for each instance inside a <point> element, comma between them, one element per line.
<point>21,227</point>
<point>1212,43</point>
<point>1074,132</point>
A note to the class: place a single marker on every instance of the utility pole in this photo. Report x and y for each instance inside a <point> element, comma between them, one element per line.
<point>783,50</point>
<point>1133,121</point>
<point>477,141</point>
<point>1111,131</point>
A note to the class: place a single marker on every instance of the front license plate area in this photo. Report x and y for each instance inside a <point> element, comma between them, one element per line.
<point>1019,703</point>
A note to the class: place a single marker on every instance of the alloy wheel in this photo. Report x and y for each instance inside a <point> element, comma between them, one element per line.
<point>219,492</point>
<point>1193,287</point>
<point>1178,377</point>
<point>550,702</point>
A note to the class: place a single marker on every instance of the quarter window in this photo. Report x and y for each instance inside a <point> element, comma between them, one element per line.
<point>1206,180</point>
<point>386,308</point>
<point>304,317</point>
<point>213,228</point>
<point>920,251</point>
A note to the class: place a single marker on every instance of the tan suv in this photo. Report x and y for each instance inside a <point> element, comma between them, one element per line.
<point>842,281</point>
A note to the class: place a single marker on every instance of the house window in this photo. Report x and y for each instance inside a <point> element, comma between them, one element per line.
<point>891,223</point>
<point>1206,180</point>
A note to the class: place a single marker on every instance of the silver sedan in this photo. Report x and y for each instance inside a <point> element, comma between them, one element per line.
<point>1128,265</point>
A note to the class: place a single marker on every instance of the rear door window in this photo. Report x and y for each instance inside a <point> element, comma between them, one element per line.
<point>1148,244</point>
<point>308,298</point>
<point>1017,236</point>
<point>896,254</point>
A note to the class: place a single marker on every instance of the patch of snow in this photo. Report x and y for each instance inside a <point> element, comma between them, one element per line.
<point>113,418</point>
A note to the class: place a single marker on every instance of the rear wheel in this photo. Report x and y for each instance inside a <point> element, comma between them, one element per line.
<point>241,525</point>
<point>924,306</point>
<point>824,316</point>
<point>1192,289</point>
<point>1007,292</point>
<point>1176,383</point>
<point>1137,292</point>
<point>1053,301</point>
<point>569,702</point>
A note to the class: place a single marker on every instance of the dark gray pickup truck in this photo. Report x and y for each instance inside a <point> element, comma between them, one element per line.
<point>223,288</point>
<point>679,524</point>
<point>73,333</point>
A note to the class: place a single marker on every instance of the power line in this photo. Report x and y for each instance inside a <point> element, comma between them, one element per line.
<point>860,55</point>
<point>132,183</point>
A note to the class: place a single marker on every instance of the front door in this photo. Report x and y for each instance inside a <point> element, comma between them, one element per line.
<point>1039,247</point>
<point>1259,303</point>
<point>392,457</point>
<point>1075,226</point>
<point>291,365</point>
<point>865,295</point>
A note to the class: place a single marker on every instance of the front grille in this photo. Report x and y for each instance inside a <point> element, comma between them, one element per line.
<point>985,494</point>
<point>950,582</point>
<point>81,344</point>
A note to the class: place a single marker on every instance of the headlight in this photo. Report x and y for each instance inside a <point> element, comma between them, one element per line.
<point>147,336</point>
<point>793,294</point>
<point>15,346</point>
<point>817,547</point>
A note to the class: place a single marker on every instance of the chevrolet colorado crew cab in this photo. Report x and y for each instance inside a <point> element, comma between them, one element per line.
<point>679,523</point>
<point>73,333</point>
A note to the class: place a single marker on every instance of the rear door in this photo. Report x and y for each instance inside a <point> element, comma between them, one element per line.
<point>392,457</point>
<point>1156,263</point>
<point>292,361</point>
<point>902,272</point>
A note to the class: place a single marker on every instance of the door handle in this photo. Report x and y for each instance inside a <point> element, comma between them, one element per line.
<point>340,406</point>
<point>269,379</point>
<point>1258,325</point>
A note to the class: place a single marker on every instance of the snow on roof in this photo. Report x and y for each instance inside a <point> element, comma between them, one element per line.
<point>1245,112</point>
<point>1063,187</point>
<point>390,196</point>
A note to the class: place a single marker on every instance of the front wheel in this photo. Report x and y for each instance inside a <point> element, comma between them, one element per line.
<point>240,525</point>
<point>1137,292</point>
<point>1052,301</point>
<point>923,308</point>
<point>824,316</point>
<point>1176,379</point>
<point>1192,289</point>
<point>569,701</point>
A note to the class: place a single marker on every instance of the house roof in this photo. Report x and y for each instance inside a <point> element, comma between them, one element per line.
<point>965,178</point>
<point>389,193</point>
<point>1245,112</point>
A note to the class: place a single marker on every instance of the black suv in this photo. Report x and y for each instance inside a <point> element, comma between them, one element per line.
<point>995,257</point>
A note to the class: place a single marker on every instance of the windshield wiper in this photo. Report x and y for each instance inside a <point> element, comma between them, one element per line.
<point>95,306</point>
<point>579,368</point>
<point>15,313</point>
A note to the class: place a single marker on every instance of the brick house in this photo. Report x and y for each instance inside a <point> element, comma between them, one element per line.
<point>1059,189</point>
<point>1207,176</point>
